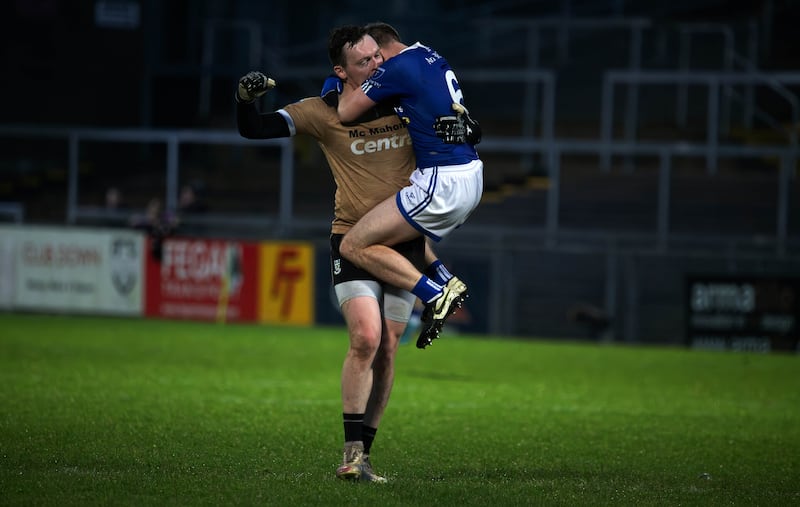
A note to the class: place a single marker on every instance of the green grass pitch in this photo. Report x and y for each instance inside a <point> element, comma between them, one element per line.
<point>113,411</point>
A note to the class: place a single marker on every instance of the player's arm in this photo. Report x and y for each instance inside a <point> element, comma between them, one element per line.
<point>354,104</point>
<point>251,123</point>
<point>254,125</point>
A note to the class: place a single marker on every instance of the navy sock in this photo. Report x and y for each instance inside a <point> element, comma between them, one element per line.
<point>426,289</point>
<point>438,272</point>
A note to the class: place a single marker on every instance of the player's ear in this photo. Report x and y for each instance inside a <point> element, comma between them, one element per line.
<point>339,71</point>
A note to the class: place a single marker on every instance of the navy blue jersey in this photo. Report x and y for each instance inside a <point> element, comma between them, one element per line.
<point>422,87</point>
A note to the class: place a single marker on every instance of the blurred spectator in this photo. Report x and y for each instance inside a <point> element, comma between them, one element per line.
<point>190,200</point>
<point>157,222</point>
<point>113,199</point>
<point>112,213</point>
<point>190,205</point>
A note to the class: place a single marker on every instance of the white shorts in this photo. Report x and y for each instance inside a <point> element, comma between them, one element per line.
<point>439,199</point>
<point>397,304</point>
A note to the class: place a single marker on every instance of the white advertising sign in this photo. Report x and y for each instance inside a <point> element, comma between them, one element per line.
<point>77,269</point>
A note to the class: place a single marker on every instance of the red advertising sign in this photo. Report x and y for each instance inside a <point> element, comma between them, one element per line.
<point>202,279</point>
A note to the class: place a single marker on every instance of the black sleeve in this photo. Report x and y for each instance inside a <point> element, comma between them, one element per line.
<point>254,125</point>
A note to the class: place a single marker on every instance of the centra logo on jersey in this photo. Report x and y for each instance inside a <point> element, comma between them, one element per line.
<point>361,146</point>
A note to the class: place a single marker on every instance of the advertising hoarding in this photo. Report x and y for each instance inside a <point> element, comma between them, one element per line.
<point>69,270</point>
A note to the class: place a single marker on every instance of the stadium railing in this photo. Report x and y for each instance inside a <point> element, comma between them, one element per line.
<point>713,81</point>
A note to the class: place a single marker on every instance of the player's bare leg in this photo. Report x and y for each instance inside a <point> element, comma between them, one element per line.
<point>364,326</point>
<point>382,382</point>
<point>367,245</point>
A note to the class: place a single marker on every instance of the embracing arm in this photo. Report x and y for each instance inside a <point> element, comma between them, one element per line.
<point>353,104</point>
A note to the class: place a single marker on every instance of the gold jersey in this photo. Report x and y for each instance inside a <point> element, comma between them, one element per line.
<point>370,161</point>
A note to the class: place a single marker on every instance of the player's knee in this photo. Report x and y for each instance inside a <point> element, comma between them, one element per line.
<point>364,342</point>
<point>349,249</point>
<point>346,246</point>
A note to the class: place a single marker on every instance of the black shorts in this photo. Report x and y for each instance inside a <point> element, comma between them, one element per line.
<point>342,270</point>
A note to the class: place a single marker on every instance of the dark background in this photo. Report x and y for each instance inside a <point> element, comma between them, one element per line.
<point>60,66</point>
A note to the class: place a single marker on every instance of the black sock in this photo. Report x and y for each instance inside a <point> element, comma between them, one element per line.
<point>353,424</point>
<point>368,433</point>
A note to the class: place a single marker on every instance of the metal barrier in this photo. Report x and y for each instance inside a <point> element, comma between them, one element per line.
<point>172,139</point>
<point>665,153</point>
<point>713,80</point>
<point>550,148</point>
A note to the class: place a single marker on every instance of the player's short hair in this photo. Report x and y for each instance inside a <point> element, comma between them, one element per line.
<point>343,37</point>
<point>383,33</point>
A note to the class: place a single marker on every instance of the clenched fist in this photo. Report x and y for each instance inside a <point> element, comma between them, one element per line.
<point>253,85</point>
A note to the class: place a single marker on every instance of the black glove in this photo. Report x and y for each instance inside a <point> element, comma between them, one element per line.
<point>474,133</point>
<point>458,129</point>
<point>253,85</point>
